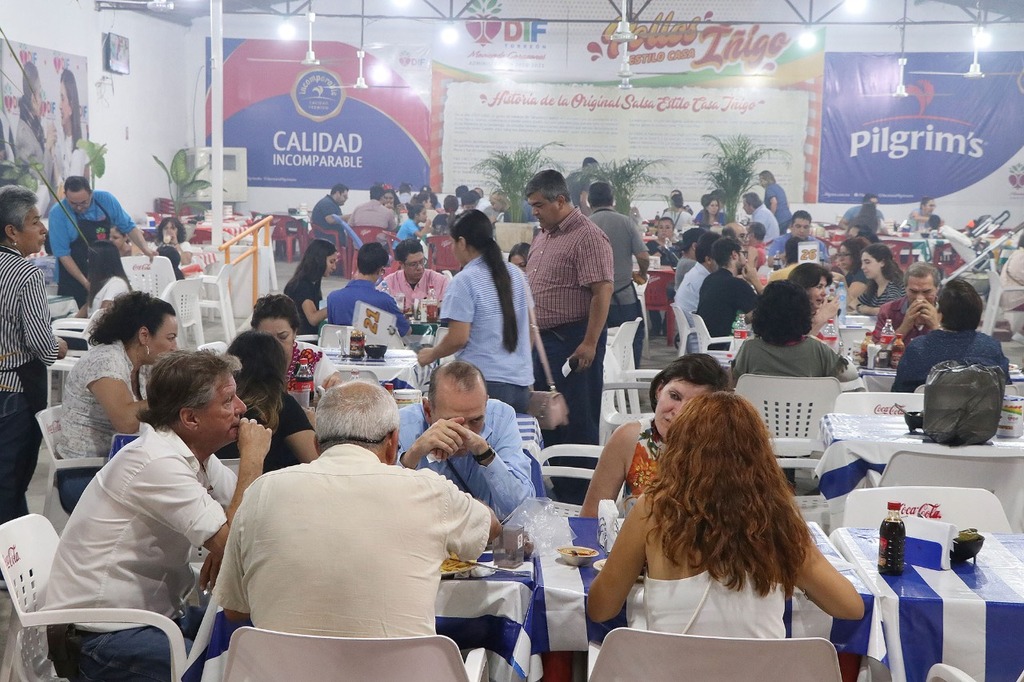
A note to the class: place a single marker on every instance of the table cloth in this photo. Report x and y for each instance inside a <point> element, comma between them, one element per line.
<point>971,617</point>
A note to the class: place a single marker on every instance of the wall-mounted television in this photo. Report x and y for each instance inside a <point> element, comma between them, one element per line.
<point>115,54</point>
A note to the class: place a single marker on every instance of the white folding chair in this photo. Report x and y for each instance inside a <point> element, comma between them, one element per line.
<point>940,672</point>
<point>184,295</point>
<point>216,297</point>
<point>629,654</point>
<point>993,305</point>
<point>218,347</point>
<point>618,356</point>
<point>641,293</point>
<point>49,424</point>
<point>332,334</point>
<point>265,656</point>
<point>582,473</point>
<point>1003,475</point>
<point>30,543</point>
<point>792,408</point>
<point>963,507</point>
<point>153,277</point>
<point>704,338</point>
<point>879,403</point>
<point>620,403</point>
<point>682,328</point>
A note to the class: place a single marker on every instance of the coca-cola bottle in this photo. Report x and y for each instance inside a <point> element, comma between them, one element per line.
<point>830,335</point>
<point>898,348</point>
<point>888,334</point>
<point>892,538</point>
<point>740,332</point>
<point>862,357</point>
<point>302,384</point>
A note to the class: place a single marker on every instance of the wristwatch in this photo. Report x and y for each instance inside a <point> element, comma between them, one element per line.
<point>486,457</point>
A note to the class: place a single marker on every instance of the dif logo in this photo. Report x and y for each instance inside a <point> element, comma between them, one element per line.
<point>1017,177</point>
<point>318,95</point>
<point>485,26</point>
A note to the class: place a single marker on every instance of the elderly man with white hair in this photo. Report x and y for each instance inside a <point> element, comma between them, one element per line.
<point>349,545</point>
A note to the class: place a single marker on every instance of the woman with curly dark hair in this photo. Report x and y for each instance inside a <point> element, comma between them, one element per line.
<point>630,456</point>
<point>720,535</point>
<point>261,386</point>
<point>319,261</point>
<point>782,347</point>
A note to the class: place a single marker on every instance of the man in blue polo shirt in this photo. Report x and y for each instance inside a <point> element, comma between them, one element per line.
<point>800,228</point>
<point>93,213</point>
<point>341,303</point>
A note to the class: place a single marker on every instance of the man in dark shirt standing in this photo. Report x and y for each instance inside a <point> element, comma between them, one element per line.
<point>570,273</point>
<point>729,290</point>
<point>327,212</point>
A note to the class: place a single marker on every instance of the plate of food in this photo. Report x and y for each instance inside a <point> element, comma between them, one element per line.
<point>578,556</point>
<point>453,566</point>
<point>599,564</point>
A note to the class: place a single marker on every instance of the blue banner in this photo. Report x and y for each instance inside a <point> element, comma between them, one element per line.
<point>949,132</point>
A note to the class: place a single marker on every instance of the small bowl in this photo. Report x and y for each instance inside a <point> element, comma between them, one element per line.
<point>376,350</point>
<point>915,420</point>
<point>578,556</point>
<point>964,550</point>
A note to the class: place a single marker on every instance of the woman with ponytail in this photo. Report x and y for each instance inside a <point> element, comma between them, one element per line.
<point>487,306</point>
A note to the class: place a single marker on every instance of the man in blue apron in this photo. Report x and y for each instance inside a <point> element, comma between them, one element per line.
<point>93,213</point>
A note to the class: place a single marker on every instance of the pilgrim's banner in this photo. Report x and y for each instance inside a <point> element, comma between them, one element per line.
<point>950,131</point>
<point>306,125</point>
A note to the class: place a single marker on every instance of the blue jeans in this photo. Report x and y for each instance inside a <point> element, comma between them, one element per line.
<point>19,450</point>
<point>582,391</point>
<point>134,654</point>
<point>71,484</point>
<point>510,394</point>
<point>626,312</point>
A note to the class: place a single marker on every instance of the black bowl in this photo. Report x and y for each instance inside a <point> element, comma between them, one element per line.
<point>915,420</point>
<point>376,350</point>
<point>965,550</point>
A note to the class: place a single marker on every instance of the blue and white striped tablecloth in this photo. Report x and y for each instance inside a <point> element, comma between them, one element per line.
<point>971,617</point>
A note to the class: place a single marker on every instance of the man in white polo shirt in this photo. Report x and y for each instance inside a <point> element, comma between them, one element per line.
<point>128,542</point>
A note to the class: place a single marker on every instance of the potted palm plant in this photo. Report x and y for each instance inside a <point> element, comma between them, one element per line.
<point>509,172</point>
<point>627,178</point>
<point>731,165</point>
<point>182,184</point>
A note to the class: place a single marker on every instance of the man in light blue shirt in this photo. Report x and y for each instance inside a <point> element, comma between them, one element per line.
<point>688,294</point>
<point>470,440</point>
<point>801,229</point>
<point>759,213</point>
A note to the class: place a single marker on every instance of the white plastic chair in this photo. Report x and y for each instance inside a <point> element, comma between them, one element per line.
<point>618,356</point>
<point>265,656</point>
<point>153,277</point>
<point>940,672</point>
<point>704,338</point>
<point>620,403</point>
<point>218,347</point>
<point>641,293</point>
<point>682,328</point>
<point>629,654</point>
<point>332,334</point>
<point>1003,475</point>
<point>216,296</point>
<point>49,424</point>
<point>591,452</point>
<point>879,403</point>
<point>30,543</point>
<point>993,305</point>
<point>963,507</point>
<point>184,295</point>
<point>792,408</point>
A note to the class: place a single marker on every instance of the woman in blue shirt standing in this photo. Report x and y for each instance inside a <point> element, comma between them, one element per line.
<point>487,306</point>
<point>775,200</point>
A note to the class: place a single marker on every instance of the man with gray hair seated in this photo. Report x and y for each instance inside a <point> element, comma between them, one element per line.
<point>347,545</point>
<point>915,313</point>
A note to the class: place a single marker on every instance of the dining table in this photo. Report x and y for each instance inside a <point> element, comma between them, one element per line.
<point>516,618</point>
<point>857,448</point>
<point>880,379</point>
<point>970,616</point>
<point>397,364</point>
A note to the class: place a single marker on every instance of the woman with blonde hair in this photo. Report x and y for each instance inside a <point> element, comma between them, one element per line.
<point>720,534</point>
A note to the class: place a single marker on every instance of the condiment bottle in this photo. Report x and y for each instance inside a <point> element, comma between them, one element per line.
<point>892,539</point>
<point>356,343</point>
<point>898,348</point>
<point>862,357</point>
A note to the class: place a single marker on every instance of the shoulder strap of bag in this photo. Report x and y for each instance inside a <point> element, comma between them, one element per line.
<point>539,345</point>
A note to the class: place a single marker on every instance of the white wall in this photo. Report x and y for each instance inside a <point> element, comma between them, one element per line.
<point>141,114</point>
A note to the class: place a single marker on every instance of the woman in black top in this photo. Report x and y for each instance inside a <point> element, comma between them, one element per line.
<point>304,287</point>
<point>261,387</point>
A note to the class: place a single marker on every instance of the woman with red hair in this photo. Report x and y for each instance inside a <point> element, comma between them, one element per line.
<point>720,534</point>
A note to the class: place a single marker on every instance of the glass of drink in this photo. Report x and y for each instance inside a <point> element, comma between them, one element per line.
<point>432,311</point>
<point>399,300</point>
<point>509,547</point>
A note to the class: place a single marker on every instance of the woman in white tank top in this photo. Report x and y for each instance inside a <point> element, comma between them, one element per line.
<point>719,534</point>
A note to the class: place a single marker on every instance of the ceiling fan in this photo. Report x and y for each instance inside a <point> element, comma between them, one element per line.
<point>152,5</point>
<point>973,71</point>
<point>310,59</point>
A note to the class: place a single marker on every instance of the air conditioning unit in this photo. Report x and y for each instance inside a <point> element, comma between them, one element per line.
<point>236,172</point>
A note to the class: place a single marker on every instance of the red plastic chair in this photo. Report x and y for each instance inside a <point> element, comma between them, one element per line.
<point>442,253</point>
<point>946,259</point>
<point>902,251</point>
<point>658,300</point>
<point>372,233</point>
<point>344,252</point>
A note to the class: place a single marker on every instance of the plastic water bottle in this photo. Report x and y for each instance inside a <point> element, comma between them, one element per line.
<point>841,297</point>
<point>830,335</point>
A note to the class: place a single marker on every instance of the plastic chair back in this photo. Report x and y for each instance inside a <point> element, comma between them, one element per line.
<point>153,277</point>
<point>184,295</point>
<point>264,656</point>
<point>683,328</point>
<point>49,425</point>
<point>217,297</point>
<point>879,403</point>
<point>1003,475</point>
<point>792,407</point>
<point>218,347</point>
<point>704,338</point>
<point>941,672</point>
<point>902,251</point>
<point>331,335</point>
<point>946,259</point>
<point>629,654</point>
<point>964,507</point>
<point>573,461</point>
<point>619,355</point>
<point>442,253</point>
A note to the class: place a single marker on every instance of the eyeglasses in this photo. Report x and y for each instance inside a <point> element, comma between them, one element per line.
<point>419,265</point>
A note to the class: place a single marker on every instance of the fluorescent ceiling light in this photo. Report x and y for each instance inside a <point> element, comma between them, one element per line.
<point>286,30</point>
<point>449,34</point>
<point>807,39</point>
<point>982,38</point>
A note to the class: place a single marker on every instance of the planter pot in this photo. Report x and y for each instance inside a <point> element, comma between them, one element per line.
<point>509,234</point>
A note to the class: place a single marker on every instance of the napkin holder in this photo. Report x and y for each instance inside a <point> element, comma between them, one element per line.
<point>607,523</point>
<point>928,542</point>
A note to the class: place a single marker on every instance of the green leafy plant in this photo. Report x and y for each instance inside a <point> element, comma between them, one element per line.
<point>731,165</point>
<point>627,178</point>
<point>182,184</point>
<point>97,154</point>
<point>20,172</point>
<point>510,171</point>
